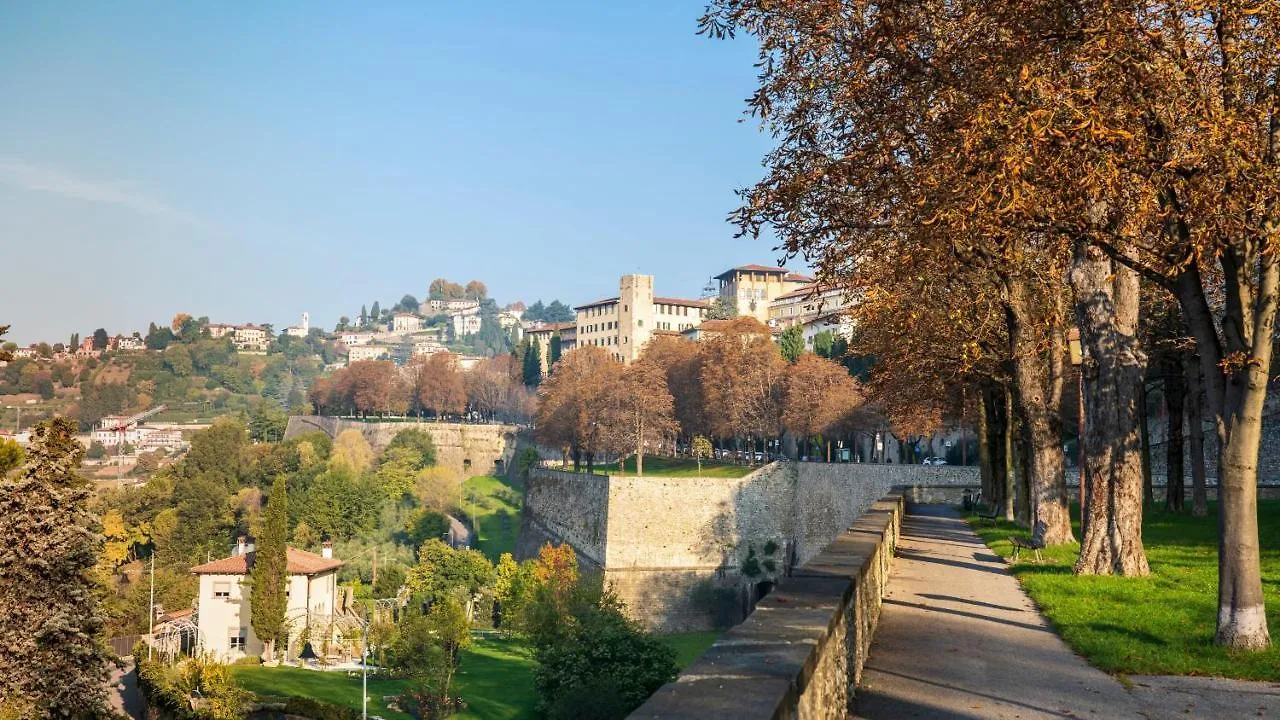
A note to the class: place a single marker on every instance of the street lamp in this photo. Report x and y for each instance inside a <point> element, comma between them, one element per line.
<point>1077,360</point>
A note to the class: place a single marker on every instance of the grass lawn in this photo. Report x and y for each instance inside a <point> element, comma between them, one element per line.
<point>495,679</point>
<point>1158,625</point>
<point>495,518</point>
<point>690,645</point>
<point>674,467</point>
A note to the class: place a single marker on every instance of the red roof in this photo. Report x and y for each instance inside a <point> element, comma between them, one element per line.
<point>300,563</point>
<point>797,277</point>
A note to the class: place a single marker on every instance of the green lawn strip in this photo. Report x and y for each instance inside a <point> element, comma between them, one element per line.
<point>690,645</point>
<point>1158,625</point>
<point>495,679</point>
<point>673,467</point>
<point>495,519</point>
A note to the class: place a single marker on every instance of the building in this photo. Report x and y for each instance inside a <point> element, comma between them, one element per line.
<point>351,339</point>
<point>130,342</point>
<point>423,348</point>
<point>250,337</point>
<point>114,430</point>
<point>25,352</point>
<point>301,329</point>
<point>466,323</point>
<point>356,353</point>
<point>224,611</point>
<point>750,288</point>
<point>545,333</point>
<point>403,322</point>
<point>219,330</point>
<point>623,324</point>
<point>435,307</point>
<point>710,329</point>
<point>509,319</point>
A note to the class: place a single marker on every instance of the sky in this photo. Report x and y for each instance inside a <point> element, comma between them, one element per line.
<point>252,161</point>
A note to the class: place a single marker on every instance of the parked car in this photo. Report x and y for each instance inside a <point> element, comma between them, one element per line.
<point>934,461</point>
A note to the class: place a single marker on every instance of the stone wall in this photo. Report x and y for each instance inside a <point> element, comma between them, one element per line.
<point>466,448</point>
<point>676,550</point>
<point>800,654</point>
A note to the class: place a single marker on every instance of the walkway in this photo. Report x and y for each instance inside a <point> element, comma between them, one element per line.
<point>959,639</point>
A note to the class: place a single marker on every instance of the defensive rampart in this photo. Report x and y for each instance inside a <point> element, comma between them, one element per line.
<point>466,448</point>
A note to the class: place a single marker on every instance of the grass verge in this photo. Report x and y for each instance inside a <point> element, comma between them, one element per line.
<point>493,504</point>
<point>673,467</point>
<point>1158,625</point>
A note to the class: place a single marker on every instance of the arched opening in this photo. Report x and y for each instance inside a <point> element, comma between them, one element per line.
<point>763,588</point>
<point>498,467</point>
<point>466,464</point>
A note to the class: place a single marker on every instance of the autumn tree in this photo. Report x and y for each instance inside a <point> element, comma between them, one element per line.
<point>640,412</point>
<point>818,395</point>
<point>475,290</point>
<point>52,660</point>
<point>573,403</point>
<point>741,373</point>
<point>680,359</point>
<point>441,385</point>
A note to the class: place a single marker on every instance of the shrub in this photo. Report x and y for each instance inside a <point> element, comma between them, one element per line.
<point>249,660</point>
<point>318,710</point>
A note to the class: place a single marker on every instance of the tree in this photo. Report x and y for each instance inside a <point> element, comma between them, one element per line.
<point>475,290</point>
<point>791,343</point>
<point>75,341</point>
<point>573,403</point>
<point>532,364</point>
<point>819,395</point>
<point>701,449</point>
<point>351,450</point>
<point>52,660</point>
<point>682,361</point>
<point>408,304</point>
<point>640,411</point>
<point>554,351</point>
<point>100,339</point>
<point>443,572</point>
<point>741,372</point>
<point>177,358</point>
<point>270,572</point>
<point>441,385</point>
<point>420,442</point>
<point>722,308</point>
<point>364,316</point>
<point>375,312</point>
<point>217,452</point>
<point>178,321</point>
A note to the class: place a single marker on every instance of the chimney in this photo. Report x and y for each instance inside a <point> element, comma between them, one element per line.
<point>240,542</point>
<point>326,550</point>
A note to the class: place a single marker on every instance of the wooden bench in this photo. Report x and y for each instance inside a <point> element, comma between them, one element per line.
<point>1034,544</point>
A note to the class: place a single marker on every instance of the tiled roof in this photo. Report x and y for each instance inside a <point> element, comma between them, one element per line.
<point>682,302</point>
<point>797,277</point>
<point>752,268</point>
<point>300,563</point>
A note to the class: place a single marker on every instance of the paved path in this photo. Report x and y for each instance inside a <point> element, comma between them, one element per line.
<point>959,639</point>
<point>124,695</point>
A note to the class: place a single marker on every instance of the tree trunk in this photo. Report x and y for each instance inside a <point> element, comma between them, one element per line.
<point>984,452</point>
<point>1195,429</point>
<point>1006,455</point>
<point>1174,394</point>
<point>1107,314</point>
<point>1235,368</point>
<point>1038,386</point>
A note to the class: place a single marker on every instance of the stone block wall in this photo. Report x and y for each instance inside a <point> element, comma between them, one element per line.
<point>800,654</point>
<point>465,448</point>
<point>565,507</point>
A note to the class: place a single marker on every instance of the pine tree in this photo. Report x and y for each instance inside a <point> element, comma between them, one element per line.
<point>531,367</point>
<point>270,573</point>
<point>52,660</point>
<point>375,312</point>
<point>364,315</point>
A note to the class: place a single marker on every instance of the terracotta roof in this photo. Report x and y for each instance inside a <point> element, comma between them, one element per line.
<point>682,302</point>
<point>797,277</point>
<point>300,563</point>
<point>176,615</point>
<point>606,301</point>
<point>752,268</point>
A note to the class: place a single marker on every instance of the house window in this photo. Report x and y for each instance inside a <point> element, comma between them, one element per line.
<point>222,589</point>
<point>237,641</point>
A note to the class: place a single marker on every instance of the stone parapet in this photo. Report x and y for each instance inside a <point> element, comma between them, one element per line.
<point>800,653</point>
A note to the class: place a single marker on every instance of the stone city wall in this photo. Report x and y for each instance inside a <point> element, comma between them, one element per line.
<point>800,654</point>
<point>678,551</point>
<point>467,449</point>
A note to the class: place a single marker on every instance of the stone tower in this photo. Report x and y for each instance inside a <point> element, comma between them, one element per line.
<point>635,315</point>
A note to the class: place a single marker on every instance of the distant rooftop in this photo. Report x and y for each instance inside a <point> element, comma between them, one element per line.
<point>300,563</point>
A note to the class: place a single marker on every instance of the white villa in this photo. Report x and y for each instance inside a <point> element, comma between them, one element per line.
<point>223,606</point>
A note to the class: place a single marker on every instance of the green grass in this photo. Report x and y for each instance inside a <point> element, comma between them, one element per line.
<point>675,467</point>
<point>495,678</point>
<point>1158,625</point>
<point>690,645</point>
<point>495,519</point>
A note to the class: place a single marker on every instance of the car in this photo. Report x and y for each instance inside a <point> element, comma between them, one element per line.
<point>934,461</point>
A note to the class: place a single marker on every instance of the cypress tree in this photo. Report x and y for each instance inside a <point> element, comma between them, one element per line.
<point>270,572</point>
<point>531,369</point>
<point>53,662</point>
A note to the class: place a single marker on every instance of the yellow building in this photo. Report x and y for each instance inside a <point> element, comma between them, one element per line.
<point>750,288</point>
<point>623,324</point>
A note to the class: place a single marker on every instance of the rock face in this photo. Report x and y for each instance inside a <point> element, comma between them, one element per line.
<point>693,553</point>
<point>466,449</point>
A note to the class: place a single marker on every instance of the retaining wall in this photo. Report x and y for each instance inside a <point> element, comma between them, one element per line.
<point>467,449</point>
<point>800,653</point>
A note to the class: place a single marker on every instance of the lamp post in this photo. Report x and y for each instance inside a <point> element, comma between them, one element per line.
<point>1077,360</point>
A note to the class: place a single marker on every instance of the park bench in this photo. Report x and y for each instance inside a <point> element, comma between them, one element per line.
<point>994,510</point>
<point>1034,544</point>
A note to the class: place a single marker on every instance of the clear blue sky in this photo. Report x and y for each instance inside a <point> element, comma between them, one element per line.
<point>252,163</point>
